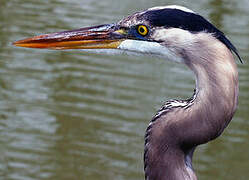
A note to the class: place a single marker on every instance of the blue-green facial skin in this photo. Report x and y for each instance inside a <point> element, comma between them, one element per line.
<point>133,34</point>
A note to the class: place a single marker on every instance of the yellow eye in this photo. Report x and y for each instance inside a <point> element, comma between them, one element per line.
<point>142,30</point>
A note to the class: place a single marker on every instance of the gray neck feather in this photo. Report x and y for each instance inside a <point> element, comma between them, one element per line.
<point>179,126</point>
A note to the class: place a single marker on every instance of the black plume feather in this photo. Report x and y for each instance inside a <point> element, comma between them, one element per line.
<point>188,21</point>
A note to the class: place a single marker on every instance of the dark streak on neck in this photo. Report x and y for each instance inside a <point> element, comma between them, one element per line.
<point>167,107</point>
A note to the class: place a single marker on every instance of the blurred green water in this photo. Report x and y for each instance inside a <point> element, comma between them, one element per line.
<point>72,115</point>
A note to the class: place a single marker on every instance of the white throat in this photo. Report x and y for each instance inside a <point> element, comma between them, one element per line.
<point>150,48</point>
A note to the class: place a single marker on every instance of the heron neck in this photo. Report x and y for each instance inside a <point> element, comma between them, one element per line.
<point>171,138</point>
<point>217,91</point>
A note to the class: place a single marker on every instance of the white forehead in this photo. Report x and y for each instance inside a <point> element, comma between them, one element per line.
<point>172,7</point>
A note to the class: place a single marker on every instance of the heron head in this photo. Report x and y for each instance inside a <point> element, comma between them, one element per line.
<point>161,31</point>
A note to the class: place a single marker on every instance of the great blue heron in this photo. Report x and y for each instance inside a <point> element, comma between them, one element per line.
<point>178,34</point>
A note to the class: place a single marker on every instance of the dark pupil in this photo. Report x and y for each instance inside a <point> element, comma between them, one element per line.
<point>142,30</point>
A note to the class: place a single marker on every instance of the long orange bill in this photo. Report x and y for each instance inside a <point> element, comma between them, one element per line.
<point>98,37</point>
